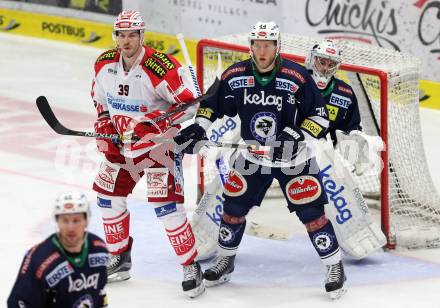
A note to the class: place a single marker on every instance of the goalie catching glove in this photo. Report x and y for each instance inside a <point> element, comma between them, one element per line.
<point>289,139</point>
<point>362,151</point>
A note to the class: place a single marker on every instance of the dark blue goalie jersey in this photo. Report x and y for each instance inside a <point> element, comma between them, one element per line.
<point>342,107</point>
<point>49,278</point>
<point>266,104</point>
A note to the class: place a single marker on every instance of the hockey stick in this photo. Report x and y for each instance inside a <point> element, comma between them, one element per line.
<point>252,148</point>
<point>48,115</point>
<point>51,119</point>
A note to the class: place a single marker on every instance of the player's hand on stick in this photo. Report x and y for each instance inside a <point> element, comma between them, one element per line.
<point>287,144</point>
<point>189,137</point>
<point>148,125</point>
<point>106,146</point>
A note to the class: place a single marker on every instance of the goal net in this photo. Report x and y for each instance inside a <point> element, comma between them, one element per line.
<point>386,83</point>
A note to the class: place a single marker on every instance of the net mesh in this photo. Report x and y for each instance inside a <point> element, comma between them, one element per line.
<point>413,201</point>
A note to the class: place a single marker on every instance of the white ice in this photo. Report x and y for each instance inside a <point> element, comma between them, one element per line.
<point>35,167</point>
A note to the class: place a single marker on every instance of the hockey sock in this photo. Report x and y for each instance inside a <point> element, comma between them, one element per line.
<point>116,220</point>
<point>117,232</point>
<point>230,234</point>
<point>178,230</point>
<point>324,240</point>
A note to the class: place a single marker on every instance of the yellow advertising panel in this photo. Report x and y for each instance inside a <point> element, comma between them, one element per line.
<point>430,94</point>
<point>82,32</point>
<point>99,35</point>
<point>56,28</point>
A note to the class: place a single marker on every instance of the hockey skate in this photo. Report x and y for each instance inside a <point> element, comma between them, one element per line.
<point>334,284</point>
<point>220,272</point>
<point>192,283</point>
<point>119,266</point>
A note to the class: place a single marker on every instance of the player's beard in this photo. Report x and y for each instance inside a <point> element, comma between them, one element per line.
<point>131,52</point>
<point>72,242</point>
<point>265,66</point>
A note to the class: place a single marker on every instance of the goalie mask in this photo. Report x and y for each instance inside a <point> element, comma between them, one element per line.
<point>71,203</point>
<point>265,31</point>
<point>324,60</point>
<point>129,21</point>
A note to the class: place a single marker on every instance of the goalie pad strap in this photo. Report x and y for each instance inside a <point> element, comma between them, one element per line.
<point>316,224</point>
<point>233,220</point>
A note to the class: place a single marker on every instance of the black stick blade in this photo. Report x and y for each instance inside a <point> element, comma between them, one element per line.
<point>51,119</point>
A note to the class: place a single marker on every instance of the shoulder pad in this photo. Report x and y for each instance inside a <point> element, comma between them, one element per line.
<point>294,73</point>
<point>165,60</point>
<point>157,63</point>
<point>294,70</point>
<point>153,66</point>
<point>27,260</point>
<point>342,86</point>
<point>345,89</point>
<point>46,263</point>
<point>96,241</point>
<point>235,69</point>
<point>106,57</point>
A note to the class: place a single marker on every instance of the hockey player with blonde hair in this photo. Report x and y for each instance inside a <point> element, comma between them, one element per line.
<point>279,105</point>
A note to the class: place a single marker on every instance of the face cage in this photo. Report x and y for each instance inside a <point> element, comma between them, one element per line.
<point>329,72</point>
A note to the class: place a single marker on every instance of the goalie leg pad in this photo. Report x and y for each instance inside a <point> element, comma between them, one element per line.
<point>358,234</point>
<point>321,233</point>
<point>230,234</point>
<point>178,230</point>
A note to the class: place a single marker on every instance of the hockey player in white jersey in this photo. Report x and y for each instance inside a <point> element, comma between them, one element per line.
<point>134,84</point>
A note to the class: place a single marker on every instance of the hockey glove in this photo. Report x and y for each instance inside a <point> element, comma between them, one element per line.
<point>289,139</point>
<point>149,127</point>
<point>189,136</point>
<point>106,146</point>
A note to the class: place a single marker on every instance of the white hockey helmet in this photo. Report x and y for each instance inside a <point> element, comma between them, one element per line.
<point>267,31</point>
<point>71,203</point>
<point>327,50</point>
<point>129,20</point>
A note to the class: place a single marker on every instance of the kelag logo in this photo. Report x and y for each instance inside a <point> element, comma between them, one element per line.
<point>8,26</point>
<point>336,197</point>
<point>216,134</point>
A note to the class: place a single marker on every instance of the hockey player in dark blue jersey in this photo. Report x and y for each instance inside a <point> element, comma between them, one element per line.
<point>68,269</point>
<point>279,105</point>
<point>340,100</point>
<point>342,108</point>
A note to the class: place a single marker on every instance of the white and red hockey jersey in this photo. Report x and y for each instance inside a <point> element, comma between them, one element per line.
<point>156,81</point>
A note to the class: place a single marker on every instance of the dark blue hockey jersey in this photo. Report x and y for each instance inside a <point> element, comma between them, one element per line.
<point>266,104</point>
<point>48,277</point>
<point>342,107</point>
